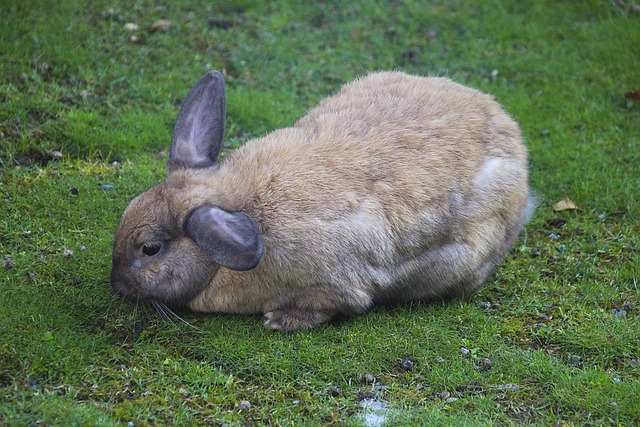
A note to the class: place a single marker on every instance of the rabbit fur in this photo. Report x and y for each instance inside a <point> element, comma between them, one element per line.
<point>396,188</point>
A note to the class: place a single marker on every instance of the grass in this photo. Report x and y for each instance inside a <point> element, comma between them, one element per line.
<point>87,107</point>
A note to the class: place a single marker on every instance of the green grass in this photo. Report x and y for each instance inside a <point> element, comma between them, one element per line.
<point>558,321</point>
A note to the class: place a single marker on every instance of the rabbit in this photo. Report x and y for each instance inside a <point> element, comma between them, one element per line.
<point>397,188</point>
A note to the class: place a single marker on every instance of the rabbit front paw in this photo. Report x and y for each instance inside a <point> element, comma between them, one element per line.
<point>291,319</point>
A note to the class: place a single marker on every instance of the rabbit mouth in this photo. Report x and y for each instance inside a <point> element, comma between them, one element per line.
<point>161,294</point>
<point>170,283</point>
<point>171,294</point>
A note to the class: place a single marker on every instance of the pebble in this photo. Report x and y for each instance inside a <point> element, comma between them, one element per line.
<point>406,365</point>
<point>464,351</point>
<point>556,222</point>
<point>106,187</point>
<point>367,379</point>
<point>130,26</point>
<point>67,253</point>
<point>451,399</point>
<point>619,313</point>
<point>439,359</point>
<point>244,405</point>
<point>110,13</point>
<point>366,395</point>
<point>223,24</point>
<point>74,191</point>
<point>334,391</point>
<point>514,387</point>
<point>486,363</point>
<point>8,263</point>
<point>444,395</point>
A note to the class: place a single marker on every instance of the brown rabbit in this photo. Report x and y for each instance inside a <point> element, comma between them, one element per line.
<point>396,188</point>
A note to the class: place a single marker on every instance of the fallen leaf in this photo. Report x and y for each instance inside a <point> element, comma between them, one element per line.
<point>633,94</point>
<point>565,205</point>
<point>161,25</point>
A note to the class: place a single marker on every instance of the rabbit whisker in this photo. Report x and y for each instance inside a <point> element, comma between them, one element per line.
<point>170,312</point>
<point>110,305</point>
<point>163,313</point>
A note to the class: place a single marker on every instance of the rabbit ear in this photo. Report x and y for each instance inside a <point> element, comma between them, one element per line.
<point>197,135</point>
<point>232,240</point>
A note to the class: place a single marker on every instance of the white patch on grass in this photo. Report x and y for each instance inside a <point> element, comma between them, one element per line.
<point>375,412</point>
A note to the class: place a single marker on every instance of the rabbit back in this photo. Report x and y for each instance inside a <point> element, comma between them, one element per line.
<point>398,187</point>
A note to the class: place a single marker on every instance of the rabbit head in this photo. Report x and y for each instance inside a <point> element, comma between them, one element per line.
<point>172,239</point>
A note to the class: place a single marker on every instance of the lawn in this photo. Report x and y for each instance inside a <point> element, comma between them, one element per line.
<point>89,93</point>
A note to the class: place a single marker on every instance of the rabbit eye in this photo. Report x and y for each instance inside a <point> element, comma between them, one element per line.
<point>151,249</point>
